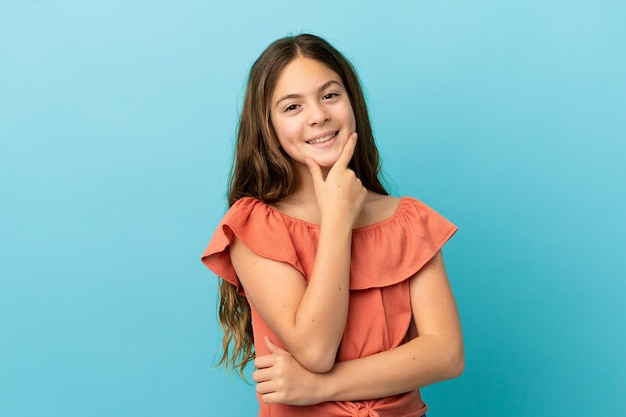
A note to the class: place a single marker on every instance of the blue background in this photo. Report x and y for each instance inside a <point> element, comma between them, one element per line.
<point>117,121</point>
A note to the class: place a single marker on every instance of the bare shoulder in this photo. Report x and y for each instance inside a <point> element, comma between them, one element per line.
<point>377,208</point>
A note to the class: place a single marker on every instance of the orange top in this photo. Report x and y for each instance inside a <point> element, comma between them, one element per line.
<point>384,256</point>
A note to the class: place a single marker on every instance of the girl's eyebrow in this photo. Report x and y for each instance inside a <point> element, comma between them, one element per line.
<point>322,87</point>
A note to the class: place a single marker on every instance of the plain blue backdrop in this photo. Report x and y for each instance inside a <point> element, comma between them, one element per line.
<point>117,121</point>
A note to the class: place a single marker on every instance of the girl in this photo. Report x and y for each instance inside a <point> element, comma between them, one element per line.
<point>341,287</point>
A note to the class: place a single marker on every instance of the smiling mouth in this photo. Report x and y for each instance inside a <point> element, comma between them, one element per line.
<point>322,139</point>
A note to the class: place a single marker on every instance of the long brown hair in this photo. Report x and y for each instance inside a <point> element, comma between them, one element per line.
<point>262,170</point>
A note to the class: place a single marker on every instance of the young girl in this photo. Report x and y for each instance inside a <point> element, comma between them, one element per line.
<point>341,287</point>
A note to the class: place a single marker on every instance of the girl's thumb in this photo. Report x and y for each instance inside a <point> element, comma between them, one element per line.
<point>271,347</point>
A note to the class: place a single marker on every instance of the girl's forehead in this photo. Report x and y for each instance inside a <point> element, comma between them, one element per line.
<point>305,72</point>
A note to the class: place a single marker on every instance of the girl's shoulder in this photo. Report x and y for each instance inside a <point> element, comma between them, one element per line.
<point>406,214</point>
<point>397,238</point>
<point>377,208</point>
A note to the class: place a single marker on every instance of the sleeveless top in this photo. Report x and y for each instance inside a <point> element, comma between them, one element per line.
<point>384,256</point>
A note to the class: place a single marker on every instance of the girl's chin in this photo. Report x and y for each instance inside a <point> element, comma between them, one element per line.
<point>326,160</point>
<point>326,163</point>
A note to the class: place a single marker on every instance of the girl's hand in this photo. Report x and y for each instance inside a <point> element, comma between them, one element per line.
<point>281,379</point>
<point>341,193</point>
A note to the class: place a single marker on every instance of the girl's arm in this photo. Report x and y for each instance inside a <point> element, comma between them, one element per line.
<point>434,355</point>
<point>309,319</point>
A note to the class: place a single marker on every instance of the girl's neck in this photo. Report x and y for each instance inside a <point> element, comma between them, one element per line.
<point>305,192</point>
<point>305,181</point>
<point>302,203</point>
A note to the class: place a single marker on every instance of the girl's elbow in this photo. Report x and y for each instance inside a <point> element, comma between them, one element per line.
<point>451,358</point>
<point>455,365</point>
<point>318,360</point>
<point>321,367</point>
<point>458,366</point>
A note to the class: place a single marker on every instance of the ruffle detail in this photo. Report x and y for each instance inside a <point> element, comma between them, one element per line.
<point>383,254</point>
<point>395,249</point>
<point>260,228</point>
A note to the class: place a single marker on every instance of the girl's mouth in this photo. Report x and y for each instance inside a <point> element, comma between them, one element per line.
<point>322,139</point>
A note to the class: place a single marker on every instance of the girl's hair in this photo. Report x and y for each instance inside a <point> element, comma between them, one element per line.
<point>263,170</point>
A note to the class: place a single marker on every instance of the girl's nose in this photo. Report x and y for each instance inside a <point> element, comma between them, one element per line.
<point>317,114</point>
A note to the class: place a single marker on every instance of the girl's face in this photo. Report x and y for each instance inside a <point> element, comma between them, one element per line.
<point>311,112</point>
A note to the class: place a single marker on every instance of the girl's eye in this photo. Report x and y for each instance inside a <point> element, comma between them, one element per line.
<point>291,107</point>
<point>329,96</point>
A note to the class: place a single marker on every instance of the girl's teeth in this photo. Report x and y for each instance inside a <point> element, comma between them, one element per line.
<point>324,139</point>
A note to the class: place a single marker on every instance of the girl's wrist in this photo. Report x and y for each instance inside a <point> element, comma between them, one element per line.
<point>324,387</point>
<point>336,224</point>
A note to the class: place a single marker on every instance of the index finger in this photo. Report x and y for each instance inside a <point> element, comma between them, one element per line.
<point>263,361</point>
<point>347,152</point>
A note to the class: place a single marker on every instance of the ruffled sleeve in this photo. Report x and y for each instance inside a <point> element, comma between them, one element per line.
<point>389,253</point>
<point>260,228</point>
